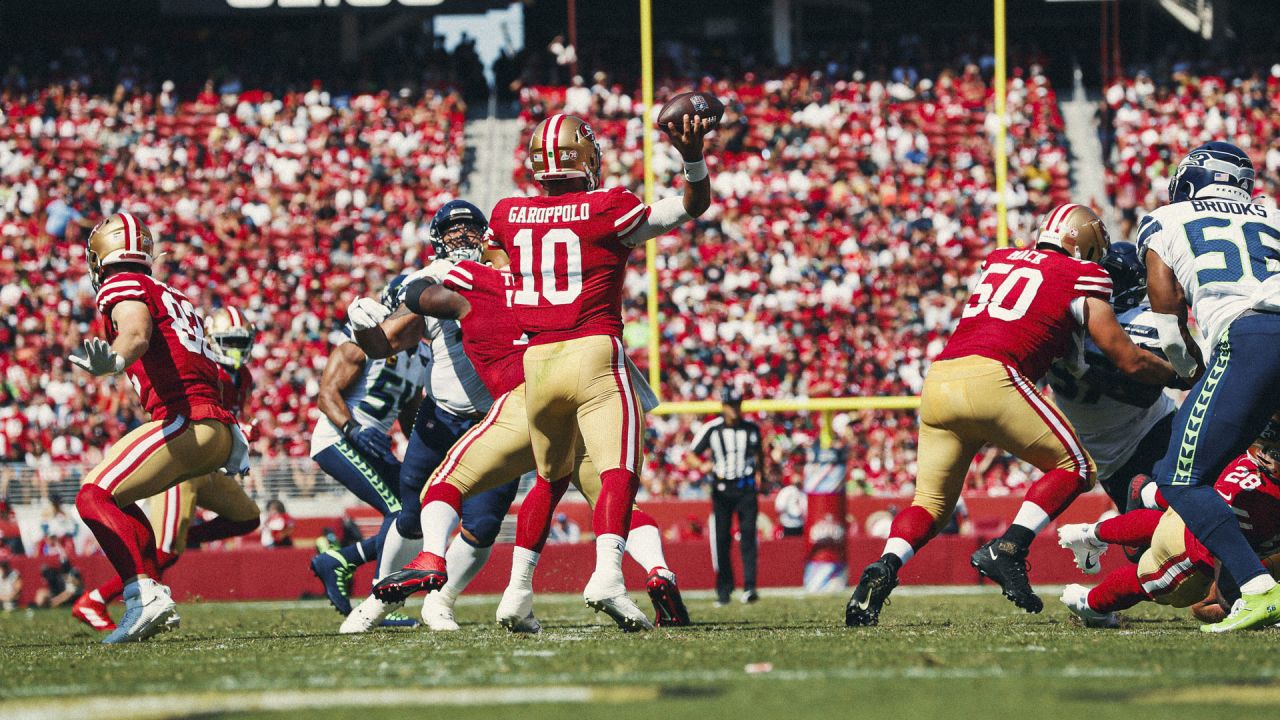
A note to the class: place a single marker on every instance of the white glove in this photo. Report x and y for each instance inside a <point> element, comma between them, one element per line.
<point>99,358</point>
<point>435,271</point>
<point>238,460</point>
<point>1169,333</point>
<point>366,313</point>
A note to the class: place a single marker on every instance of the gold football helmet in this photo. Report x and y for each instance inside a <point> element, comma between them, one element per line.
<point>121,238</point>
<point>564,147</point>
<point>1076,229</point>
<point>231,336</point>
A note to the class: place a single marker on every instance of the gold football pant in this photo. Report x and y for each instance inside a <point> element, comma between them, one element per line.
<point>974,401</point>
<point>1165,571</point>
<point>497,450</point>
<point>581,390</point>
<point>171,512</point>
<point>157,455</point>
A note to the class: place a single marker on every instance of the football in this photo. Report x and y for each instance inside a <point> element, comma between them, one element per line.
<point>696,104</point>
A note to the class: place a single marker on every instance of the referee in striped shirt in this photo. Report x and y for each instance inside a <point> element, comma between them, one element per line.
<point>736,468</point>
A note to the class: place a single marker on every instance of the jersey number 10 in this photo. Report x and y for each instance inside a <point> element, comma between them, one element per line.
<point>538,279</point>
<point>996,300</point>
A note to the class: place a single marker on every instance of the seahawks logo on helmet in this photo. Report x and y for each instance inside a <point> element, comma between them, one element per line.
<point>1217,170</point>
<point>393,294</point>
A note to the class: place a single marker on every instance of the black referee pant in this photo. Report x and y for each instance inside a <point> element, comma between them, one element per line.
<point>727,503</point>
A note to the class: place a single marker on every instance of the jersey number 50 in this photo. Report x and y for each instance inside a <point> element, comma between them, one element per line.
<point>995,299</point>
<point>538,279</point>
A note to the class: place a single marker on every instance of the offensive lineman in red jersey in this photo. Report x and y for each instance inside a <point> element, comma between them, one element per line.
<point>1028,308</point>
<point>156,338</point>
<point>496,449</point>
<point>230,337</point>
<point>568,252</point>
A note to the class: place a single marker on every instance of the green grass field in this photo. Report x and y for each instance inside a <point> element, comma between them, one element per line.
<point>936,654</point>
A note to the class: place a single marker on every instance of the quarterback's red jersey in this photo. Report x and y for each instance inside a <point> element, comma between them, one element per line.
<point>491,337</point>
<point>1021,312</point>
<point>177,374</point>
<point>569,258</point>
<point>235,390</point>
<point>1255,499</point>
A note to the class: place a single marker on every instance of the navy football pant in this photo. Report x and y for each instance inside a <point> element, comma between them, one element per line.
<point>435,430</point>
<point>1224,413</point>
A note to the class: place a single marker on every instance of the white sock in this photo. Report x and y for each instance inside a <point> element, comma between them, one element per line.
<point>1148,496</point>
<point>1258,585</point>
<point>439,520</point>
<point>1032,517</point>
<point>397,551</point>
<point>644,545</point>
<point>463,562</point>
<point>609,549</point>
<point>96,596</point>
<point>523,562</point>
<point>900,548</point>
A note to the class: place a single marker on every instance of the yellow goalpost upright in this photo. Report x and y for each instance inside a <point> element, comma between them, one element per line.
<point>826,407</point>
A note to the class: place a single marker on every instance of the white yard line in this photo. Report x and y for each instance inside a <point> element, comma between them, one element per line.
<point>141,707</point>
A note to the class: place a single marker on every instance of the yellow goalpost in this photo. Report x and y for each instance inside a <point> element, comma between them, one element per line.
<point>826,407</point>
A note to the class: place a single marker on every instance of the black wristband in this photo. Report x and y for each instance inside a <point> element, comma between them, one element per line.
<point>350,427</point>
<point>413,293</point>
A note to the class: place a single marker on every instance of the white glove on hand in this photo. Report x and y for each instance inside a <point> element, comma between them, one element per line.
<point>1169,333</point>
<point>99,358</point>
<point>238,460</point>
<point>435,271</point>
<point>366,313</point>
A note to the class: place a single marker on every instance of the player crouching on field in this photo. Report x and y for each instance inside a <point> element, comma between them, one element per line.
<point>156,338</point>
<point>1029,307</point>
<point>1176,569</point>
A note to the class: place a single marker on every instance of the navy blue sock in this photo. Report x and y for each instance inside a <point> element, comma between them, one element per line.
<point>369,548</point>
<point>1211,520</point>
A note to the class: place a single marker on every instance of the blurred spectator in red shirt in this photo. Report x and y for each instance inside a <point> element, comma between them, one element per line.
<point>277,530</point>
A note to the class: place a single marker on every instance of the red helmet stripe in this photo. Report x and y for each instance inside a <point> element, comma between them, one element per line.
<point>130,232</point>
<point>235,317</point>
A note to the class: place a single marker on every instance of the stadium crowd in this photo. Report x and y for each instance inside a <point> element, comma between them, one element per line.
<point>1146,125</point>
<point>877,191</point>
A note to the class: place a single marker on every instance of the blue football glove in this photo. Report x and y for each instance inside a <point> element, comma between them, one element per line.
<point>372,443</point>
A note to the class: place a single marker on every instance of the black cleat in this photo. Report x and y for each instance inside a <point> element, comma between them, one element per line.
<point>1005,563</point>
<point>668,606</point>
<point>877,581</point>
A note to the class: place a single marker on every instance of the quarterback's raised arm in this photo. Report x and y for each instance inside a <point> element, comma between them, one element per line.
<point>1114,342</point>
<point>670,213</point>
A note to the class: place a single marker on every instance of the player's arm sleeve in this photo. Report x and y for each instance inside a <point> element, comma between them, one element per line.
<point>1150,234</point>
<point>649,221</point>
<point>115,290</point>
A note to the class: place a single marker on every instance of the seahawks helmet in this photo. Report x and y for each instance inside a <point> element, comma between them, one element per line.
<point>1217,170</point>
<point>1128,279</point>
<point>458,246</point>
<point>393,294</point>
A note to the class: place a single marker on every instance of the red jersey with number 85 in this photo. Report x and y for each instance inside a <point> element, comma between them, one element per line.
<point>177,374</point>
<point>569,257</point>
<point>1026,309</point>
